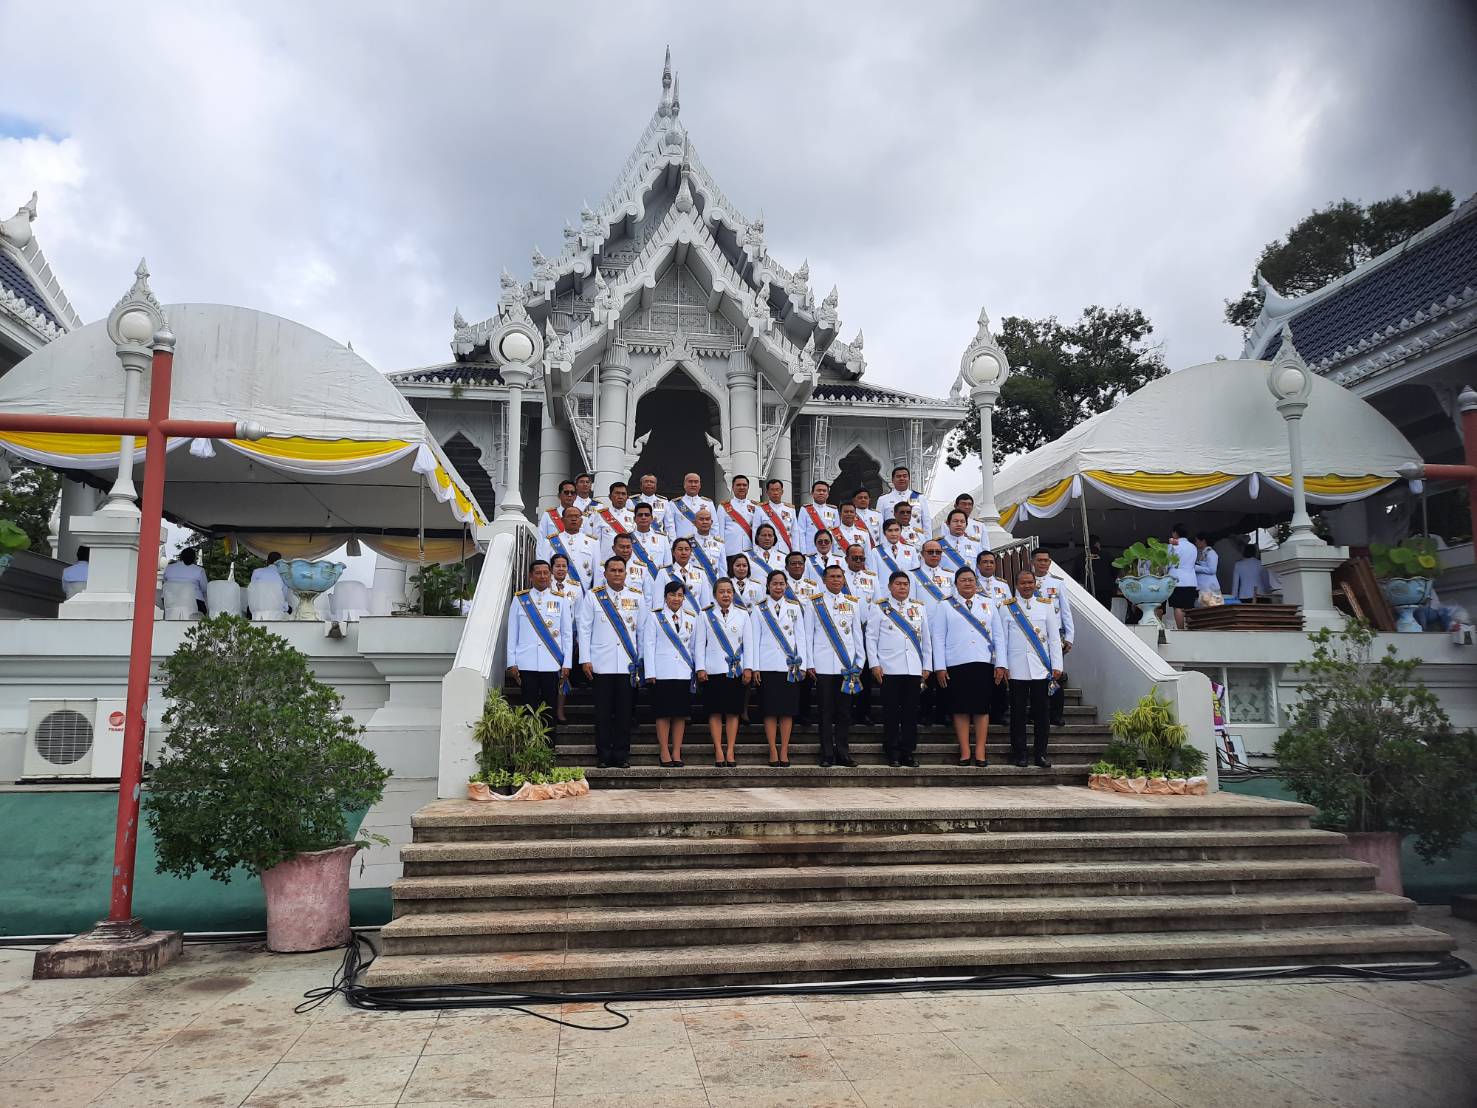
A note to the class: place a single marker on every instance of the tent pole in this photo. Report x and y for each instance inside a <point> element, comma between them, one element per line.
<point>1086,545</point>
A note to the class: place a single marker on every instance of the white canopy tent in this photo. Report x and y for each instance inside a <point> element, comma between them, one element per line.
<point>1209,441</point>
<point>344,453</point>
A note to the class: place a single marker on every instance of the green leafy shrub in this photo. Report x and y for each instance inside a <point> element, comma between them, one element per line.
<point>501,779</point>
<point>512,739</point>
<point>1415,557</point>
<point>1153,555</point>
<point>1149,736</point>
<point>439,587</point>
<point>1109,768</point>
<point>261,764</point>
<point>1371,749</point>
<point>217,560</point>
<point>12,538</point>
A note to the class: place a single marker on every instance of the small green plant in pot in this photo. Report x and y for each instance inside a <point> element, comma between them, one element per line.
<point>1405,572</point>
<point>1146,580</point>
<point>261,772</point>
<point>1150,744</point>
<point>1369,746</point>
<point>513,748</point>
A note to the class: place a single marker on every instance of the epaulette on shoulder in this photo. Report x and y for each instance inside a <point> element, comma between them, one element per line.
<point>521,592</point>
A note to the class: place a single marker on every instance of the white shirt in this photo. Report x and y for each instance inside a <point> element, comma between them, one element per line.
<point>921,515</point>
<point>600,527</point>
<point>677,525</point>
<point>551,521</point>
<point>1024,662</point>
<point>939,577</point>
<point>957,642</point>
<point>803,587</point>
<point>761,650</point>
<point>872,520</point>
<point>1052,587</point>
<point>764,562</point>
<point>657,546</point>
<point>914,534</point>
<point>662,659</point>
<point>862,583</point>
<point>812,518</point>
<point>582,550</point>
<point>571,592</point>
<point>994,588</point>
<point>903,556</point>
<point>659,508</point>
<point>737,533</point>
<point>890,648</point>
<point>1205,571</point>
<point>693,579</point>
<point>178,571</point>
<point>1184,572</point>
<point>267,574</point>
<point>526,649</point>
<point>817,564</point>
<point>717,555</point>
<point>855,535</point>
<point>782,518</point>
<point>586,504</point>
<point>708,649</point>
<point>966,547</point>
<point>846,617</point>
<point>596,638</point>
<point>638,577</point>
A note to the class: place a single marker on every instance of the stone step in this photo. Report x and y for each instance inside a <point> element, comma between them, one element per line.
<point>756,885</point>
<point>425,859</point>
<point>1095,733</point>
<point>664,966</point>
<point>842,921</point>
<point>751,754</point>
<point>739,812</point>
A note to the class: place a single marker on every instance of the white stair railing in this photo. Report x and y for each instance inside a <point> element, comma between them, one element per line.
<point>481,657</point>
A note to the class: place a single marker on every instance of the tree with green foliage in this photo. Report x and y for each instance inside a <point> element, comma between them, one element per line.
<point>261,763</point>
<point>1060,375</point>
<point>28,499</point>
<point>1327,244</point>
<point>1369,746</point>
<point>216,559</point>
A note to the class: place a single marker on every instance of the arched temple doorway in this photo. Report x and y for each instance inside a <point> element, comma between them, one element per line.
<point>678,415</point>
<point>859,470</point>
<point>468,460</point>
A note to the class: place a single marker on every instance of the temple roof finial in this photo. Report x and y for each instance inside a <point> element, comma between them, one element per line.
<point>676,94</point>
<point>667,69</point>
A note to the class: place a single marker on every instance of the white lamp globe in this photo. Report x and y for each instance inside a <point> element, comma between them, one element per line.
<point>1289,381</point>
<point>516,347</point>
<point>984,369</point>
<point>136,326</point>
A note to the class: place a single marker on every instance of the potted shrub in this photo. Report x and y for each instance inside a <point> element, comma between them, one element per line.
<point>1154,750</point>
<point>1147,581</point>
<point>262,771</point>
<point>1369,746</point>
<point>12,539</point>
<point>515,757</point>
<point>1405,572</point>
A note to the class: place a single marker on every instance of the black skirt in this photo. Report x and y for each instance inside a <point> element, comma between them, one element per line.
<point>723,695</point>
<point>670,698</point>
<point>778,697</point>
<point>971,686</point>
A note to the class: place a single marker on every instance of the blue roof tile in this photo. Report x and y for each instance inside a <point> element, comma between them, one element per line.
<point>14,278</point>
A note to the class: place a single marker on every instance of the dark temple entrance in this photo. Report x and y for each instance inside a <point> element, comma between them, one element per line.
<point>678,414</point>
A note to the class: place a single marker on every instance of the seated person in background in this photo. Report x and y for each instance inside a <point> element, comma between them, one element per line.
<point>1246,578</point>
<point>185,569</point>
<point>74,577</point>
<point>269,574</point>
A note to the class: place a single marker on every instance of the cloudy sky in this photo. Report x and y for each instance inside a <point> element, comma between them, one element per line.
<point>366,168</point>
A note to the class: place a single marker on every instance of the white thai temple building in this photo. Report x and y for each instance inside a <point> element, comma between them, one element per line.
<point>677,341</point>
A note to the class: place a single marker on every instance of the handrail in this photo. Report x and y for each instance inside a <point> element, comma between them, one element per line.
<point>481,657</point>
<point>1012,557</point>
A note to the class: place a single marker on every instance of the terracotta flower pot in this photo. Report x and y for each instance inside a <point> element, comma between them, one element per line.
<point>308,900</point>
<point>1383,849</point>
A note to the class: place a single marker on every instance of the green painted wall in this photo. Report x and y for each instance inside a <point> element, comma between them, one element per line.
<point>57,855</point>
<point>1435,883</point>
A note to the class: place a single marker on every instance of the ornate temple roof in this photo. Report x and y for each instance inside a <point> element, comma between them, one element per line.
<point>465,373</point>
<point>32,302</point>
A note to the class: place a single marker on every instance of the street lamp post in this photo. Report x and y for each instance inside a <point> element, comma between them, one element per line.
<point>132,325</point>
<point>1290,383</point>
<point>516,347</point>
<point>985,368</point>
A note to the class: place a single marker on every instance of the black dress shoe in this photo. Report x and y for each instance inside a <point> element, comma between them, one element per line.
<point>895,764</point>
<point>1042,763</point>
<point>966,761</point>
<point>602,765</point>
<point>664,763</point>
<point>623,765</point>
<point>981,762</point>
<point>910,761</point>
<point>1059,721</point>
<point>677,763</point>
<point>826,763</point>
<point>848,762</point>
<point>1020,763</point>
<point>784,763</point>
<point>774,764</point>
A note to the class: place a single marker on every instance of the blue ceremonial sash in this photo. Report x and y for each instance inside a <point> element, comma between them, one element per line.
<point>705,562</point>
<point>731,656</point>
<point>886,557</point>
<point>755,556</point>
<point>686,592</point>
<point>682,651</point>
<point>687,512</point>
<point>1035,640</point>
<point>556,544</point>
<point>904,626</point>
<point>852,672</point>
<point>622,633</point>
<point>792,659</point>
<point>972,621</point>
<point>933,590</point>
<point>952,553</point>
<point>819,567</point>
<point>536,621</point>
<point>640,552</point>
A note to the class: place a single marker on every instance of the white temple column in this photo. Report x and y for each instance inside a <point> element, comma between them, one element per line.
<point>743,428</point>
<point>784,467</point>
<point>610,434</point>
<point>556,449</point>
<point>76,499</point>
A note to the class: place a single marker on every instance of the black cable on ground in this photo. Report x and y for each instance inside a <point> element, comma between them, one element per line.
<point>411,999</point>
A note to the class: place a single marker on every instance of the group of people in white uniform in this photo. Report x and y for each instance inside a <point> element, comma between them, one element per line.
<point>751,602</point>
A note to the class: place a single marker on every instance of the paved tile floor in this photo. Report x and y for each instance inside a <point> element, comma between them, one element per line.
<point>218,1029</point>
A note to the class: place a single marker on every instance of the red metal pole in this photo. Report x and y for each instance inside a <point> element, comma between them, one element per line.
<point>107,425</point>
<point>141,649</point>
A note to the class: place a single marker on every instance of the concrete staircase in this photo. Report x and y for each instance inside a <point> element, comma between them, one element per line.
<point>646,888</point>
<point>1073,749</point>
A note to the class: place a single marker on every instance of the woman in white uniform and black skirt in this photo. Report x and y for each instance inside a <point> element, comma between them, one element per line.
<point>719,653</point>
<point>746,591</point>
<point>968,645</point>
<point>666,651</point>
<point>775,650</point>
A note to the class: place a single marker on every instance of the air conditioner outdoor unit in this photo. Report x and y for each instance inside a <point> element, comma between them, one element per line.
<point>74,738</point>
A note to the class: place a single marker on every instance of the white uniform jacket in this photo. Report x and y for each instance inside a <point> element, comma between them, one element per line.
<point>846,617</point>
<point>747,593</point>
<point>638,577</point>
<point>803,587</point>
<point>857,535</point>
<point>708,650</point>
<point>902,556</point>
<point>862,584</point>
<point>677,525</point>
<point>1024,662</point>
<point>1053,588</point>
<point>663,661</point>
<point>657,546</point>
<point>583,552</point>
<point>660,506</point>
<point>551,522</point>
<point>921,578</point>
<point>735,525</point>
<point>957,642</point>
<point>194,575</point>
<point>967,548</point>
<point>572,593</point>
<point>764,562</point>
<point>693,579</point>
<point>914,534</point>
<point>995,588</point>
<point>872,520</point>
<point>817,564</point>
<point>761,650</point>
<point>597,640</point>
<point>586,504</point>
<point>605,531</point>
<point>809,519</point>
<point>782,518</point>
<point>526,649</point>
<point>921,515</point>
<point>890,648</point>
<point>717,555</point>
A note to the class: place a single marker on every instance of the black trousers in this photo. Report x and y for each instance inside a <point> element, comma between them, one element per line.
<point>861,703</point>
<point>1029,699</point>
<point>541,687</point>
<point>1000,702</point>
<point>615,702</point>
<point>802,714</point>
<point>900,715</point>
<point>1059,701</point>
<point>935,704</point>
<point>835,713</point>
